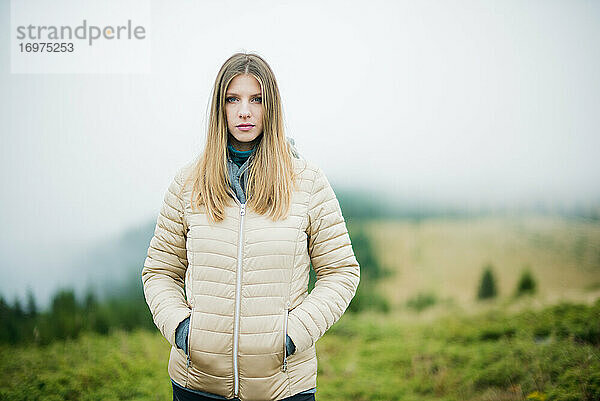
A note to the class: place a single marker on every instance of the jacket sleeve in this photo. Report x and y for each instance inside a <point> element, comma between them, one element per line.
<point>336,267</point>
<point>163,274</point>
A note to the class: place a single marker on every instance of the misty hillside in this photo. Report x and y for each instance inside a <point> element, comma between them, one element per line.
<point>106,266</point>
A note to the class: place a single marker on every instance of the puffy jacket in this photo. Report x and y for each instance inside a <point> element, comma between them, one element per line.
<point>244,284</point>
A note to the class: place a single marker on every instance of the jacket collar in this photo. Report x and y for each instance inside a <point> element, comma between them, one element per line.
<point>238,175</point>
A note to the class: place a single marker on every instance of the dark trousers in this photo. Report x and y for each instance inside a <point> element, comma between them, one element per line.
<point>182,395</point>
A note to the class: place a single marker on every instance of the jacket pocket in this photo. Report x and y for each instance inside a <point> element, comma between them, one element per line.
<point>285,322</point>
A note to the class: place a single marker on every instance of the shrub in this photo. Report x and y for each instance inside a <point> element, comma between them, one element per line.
<point>526,284</point>
<point>487,285</point>
<point>367,297</point>
<point>362,245</point>
<point>422,301</point>
<point>496,331</point>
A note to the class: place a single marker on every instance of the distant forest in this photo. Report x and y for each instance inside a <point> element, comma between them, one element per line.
<point>123,306</point>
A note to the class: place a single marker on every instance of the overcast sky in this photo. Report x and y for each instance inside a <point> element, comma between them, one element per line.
<point>465,102</point>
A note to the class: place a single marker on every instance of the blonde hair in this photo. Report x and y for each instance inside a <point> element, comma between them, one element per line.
<point>271,178</point>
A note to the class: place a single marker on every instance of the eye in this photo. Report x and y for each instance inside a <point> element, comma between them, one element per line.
<point>258,99</point>
<point>229,99</point>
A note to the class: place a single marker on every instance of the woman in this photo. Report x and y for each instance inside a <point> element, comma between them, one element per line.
<point>226,275</point>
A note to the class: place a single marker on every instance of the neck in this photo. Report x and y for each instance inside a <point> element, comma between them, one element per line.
<point>243,146</point>
<point>238,152</point>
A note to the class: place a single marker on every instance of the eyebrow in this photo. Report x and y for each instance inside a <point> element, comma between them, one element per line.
<point>235,94</point>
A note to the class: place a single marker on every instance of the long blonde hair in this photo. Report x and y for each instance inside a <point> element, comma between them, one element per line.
<point>271,177</point>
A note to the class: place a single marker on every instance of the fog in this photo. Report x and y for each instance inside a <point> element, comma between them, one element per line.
<point>464,103</point>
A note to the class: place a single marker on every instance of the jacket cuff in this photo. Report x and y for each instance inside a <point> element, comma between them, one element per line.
<point>170,326</point>
<point>298,333</point>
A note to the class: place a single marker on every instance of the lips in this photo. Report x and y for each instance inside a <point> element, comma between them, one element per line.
<point>245,127</point>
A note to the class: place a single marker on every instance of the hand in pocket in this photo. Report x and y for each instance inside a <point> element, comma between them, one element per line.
<point>289,345</point>
<point>181,335</point>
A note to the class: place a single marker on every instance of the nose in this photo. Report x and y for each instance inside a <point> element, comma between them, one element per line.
<point>244,111</point>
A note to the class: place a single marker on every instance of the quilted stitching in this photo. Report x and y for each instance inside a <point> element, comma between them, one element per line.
<point>275,264</point>
<point>165,265</point>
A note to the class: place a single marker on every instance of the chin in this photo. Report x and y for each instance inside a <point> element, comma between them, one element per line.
<point>245,137</point>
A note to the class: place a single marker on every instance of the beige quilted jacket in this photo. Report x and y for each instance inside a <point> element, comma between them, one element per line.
<point>244,281</point>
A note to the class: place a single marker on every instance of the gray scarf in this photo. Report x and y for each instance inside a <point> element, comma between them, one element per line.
<point>238,175</point>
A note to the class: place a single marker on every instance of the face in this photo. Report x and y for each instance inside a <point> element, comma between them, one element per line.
<point>244,111</point>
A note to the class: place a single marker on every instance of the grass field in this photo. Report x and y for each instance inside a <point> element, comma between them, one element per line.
<point>533,348</point>
<point>446,257</point>
<point>551,354</point>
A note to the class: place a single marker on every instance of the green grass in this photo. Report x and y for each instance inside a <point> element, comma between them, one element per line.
<point>437,342</point>
<point>551,354</point>
<point>121,366</point>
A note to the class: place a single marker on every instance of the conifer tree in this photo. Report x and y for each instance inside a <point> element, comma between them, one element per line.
<point>487,285</point>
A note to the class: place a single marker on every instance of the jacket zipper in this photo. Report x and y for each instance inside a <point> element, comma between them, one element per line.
<point>189,339</point>
<point>238,291</point>
<point>285,321</point>
<point>189,334</point>
<point>189,345</point>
